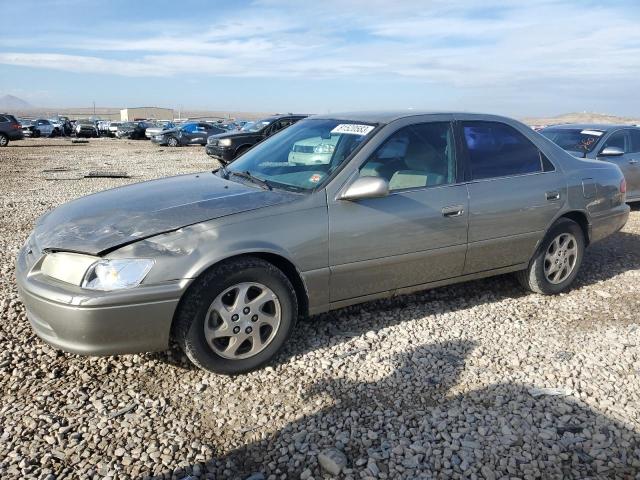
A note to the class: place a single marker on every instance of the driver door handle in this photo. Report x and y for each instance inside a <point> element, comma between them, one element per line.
<point>552,195</point>
<point>453,211</point>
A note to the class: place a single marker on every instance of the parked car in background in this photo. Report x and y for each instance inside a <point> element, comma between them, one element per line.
<point>227,146</point>
<point>313,151</point>
<point>43,128</point>
<point>27,127</point>
<point>132,130</point>
<point>225,262</point>
<point>103,128</point>
<point>187,134</point>
<point>156,127</point>
<point>10,129</point>
<point>86,128</point>
<point>619,144</point>
<point>113,128</point>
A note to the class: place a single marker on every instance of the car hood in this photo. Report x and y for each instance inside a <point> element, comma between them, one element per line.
<point>99,223</point>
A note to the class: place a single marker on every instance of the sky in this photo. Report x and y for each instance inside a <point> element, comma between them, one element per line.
<point>520,58</point>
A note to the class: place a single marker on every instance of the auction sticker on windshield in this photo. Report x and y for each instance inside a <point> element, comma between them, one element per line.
<point>352,129</point>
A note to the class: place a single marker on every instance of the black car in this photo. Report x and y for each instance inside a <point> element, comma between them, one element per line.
<point>229,145</point>
<point>133,130</point>
<point>187,134</point>
<point>10,129</point>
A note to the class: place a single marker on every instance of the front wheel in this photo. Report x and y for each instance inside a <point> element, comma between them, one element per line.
<point>172,142</point>
<point>36,134</point>
<point>236,316</point>
<point>556,263</point>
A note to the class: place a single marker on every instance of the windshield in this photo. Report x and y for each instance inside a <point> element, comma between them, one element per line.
<point>256,126</point>
<point>302,156</point>
<point>574,139</point>
<point>247,126</point>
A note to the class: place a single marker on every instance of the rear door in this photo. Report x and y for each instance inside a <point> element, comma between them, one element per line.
<point>629,163</point>
<point>415,235</point>
<point>514,194</point>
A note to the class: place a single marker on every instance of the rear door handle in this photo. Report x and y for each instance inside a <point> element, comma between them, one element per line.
<point>453,211</point>
<point>553,195</point>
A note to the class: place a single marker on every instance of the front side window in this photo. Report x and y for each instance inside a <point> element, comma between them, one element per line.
<point>303,156</point>
<point>634,136</point>
<point>499,150</point>
<point>415,156</point>
<point>617,140</point>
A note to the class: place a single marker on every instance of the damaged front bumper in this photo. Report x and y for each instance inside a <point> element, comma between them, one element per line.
<point>89,322</point>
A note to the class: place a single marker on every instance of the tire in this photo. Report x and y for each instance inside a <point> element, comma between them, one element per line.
<point>36,134</point>
<point>4,140</point>
<point>197,316</point>
<point>550,271</point>
<point>173,142</point>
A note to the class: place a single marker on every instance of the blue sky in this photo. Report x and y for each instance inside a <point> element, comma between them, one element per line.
<point>511,57</point>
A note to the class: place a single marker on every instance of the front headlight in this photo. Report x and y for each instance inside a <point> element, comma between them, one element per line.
<point>116,274</point>
<point>224,142</point>
<point>324,148</point>
<point>95,273</point>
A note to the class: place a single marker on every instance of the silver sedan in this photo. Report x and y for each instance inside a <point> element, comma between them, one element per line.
<point>225,262</point>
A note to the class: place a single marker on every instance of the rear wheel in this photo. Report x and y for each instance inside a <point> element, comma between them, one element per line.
<point>236,316</point>
<point>556,263</point>
<point>172,142</point>
<point>4,140</point>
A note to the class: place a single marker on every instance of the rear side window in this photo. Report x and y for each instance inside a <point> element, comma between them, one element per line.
<point>499,150</point>
<point>635,140</point>
<point>3,119</point>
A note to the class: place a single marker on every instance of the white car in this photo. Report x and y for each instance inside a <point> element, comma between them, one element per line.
<point>313,151</point>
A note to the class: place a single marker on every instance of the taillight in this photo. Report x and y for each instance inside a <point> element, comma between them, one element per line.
<point>623,186</point>
<point>16,126</point>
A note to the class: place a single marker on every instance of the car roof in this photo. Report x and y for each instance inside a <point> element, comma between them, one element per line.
<point>383,117</point>
<point>605,127</point>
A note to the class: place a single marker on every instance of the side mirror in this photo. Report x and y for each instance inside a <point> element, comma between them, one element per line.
<point>611,152</point>
<point>366,187</point>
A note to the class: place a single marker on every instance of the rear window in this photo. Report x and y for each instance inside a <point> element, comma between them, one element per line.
<point>574,139</point>
<point>499,150</point>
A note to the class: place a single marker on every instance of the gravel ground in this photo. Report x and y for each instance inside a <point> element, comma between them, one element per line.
<point>478,380</point>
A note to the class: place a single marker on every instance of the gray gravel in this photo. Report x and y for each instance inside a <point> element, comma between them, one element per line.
<point>479,380</point>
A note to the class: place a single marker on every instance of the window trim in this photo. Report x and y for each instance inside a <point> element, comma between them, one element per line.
<point>458,179</point>
<point>464,153</point>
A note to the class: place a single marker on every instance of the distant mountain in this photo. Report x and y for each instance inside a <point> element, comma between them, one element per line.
<point>582,117</point>
<point>10,102</point>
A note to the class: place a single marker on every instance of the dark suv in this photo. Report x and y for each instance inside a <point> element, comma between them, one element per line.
<point>10,129</point>
<point>227,146</point>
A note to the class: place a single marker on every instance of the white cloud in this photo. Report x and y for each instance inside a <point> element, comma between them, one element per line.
<point>445,42</point>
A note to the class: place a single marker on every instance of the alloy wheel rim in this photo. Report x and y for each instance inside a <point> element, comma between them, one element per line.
<point>242,320</point>
<point>3,140</point>
<point>560,258</point>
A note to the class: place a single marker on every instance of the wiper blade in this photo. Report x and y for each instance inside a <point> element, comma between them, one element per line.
<point>247,175</point>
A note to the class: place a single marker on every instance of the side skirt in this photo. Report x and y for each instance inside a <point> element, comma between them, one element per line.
<point>417,288</point>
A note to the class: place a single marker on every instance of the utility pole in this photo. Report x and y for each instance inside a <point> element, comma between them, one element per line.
<point>94,108</point>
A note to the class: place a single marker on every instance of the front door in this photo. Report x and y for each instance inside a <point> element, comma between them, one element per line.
<point>514,194</point>
<point>415,235</point>
<point>629,142</point>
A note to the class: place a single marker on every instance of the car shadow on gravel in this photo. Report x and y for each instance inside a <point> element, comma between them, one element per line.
<point>413,418</point>
<point>603,260</point>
